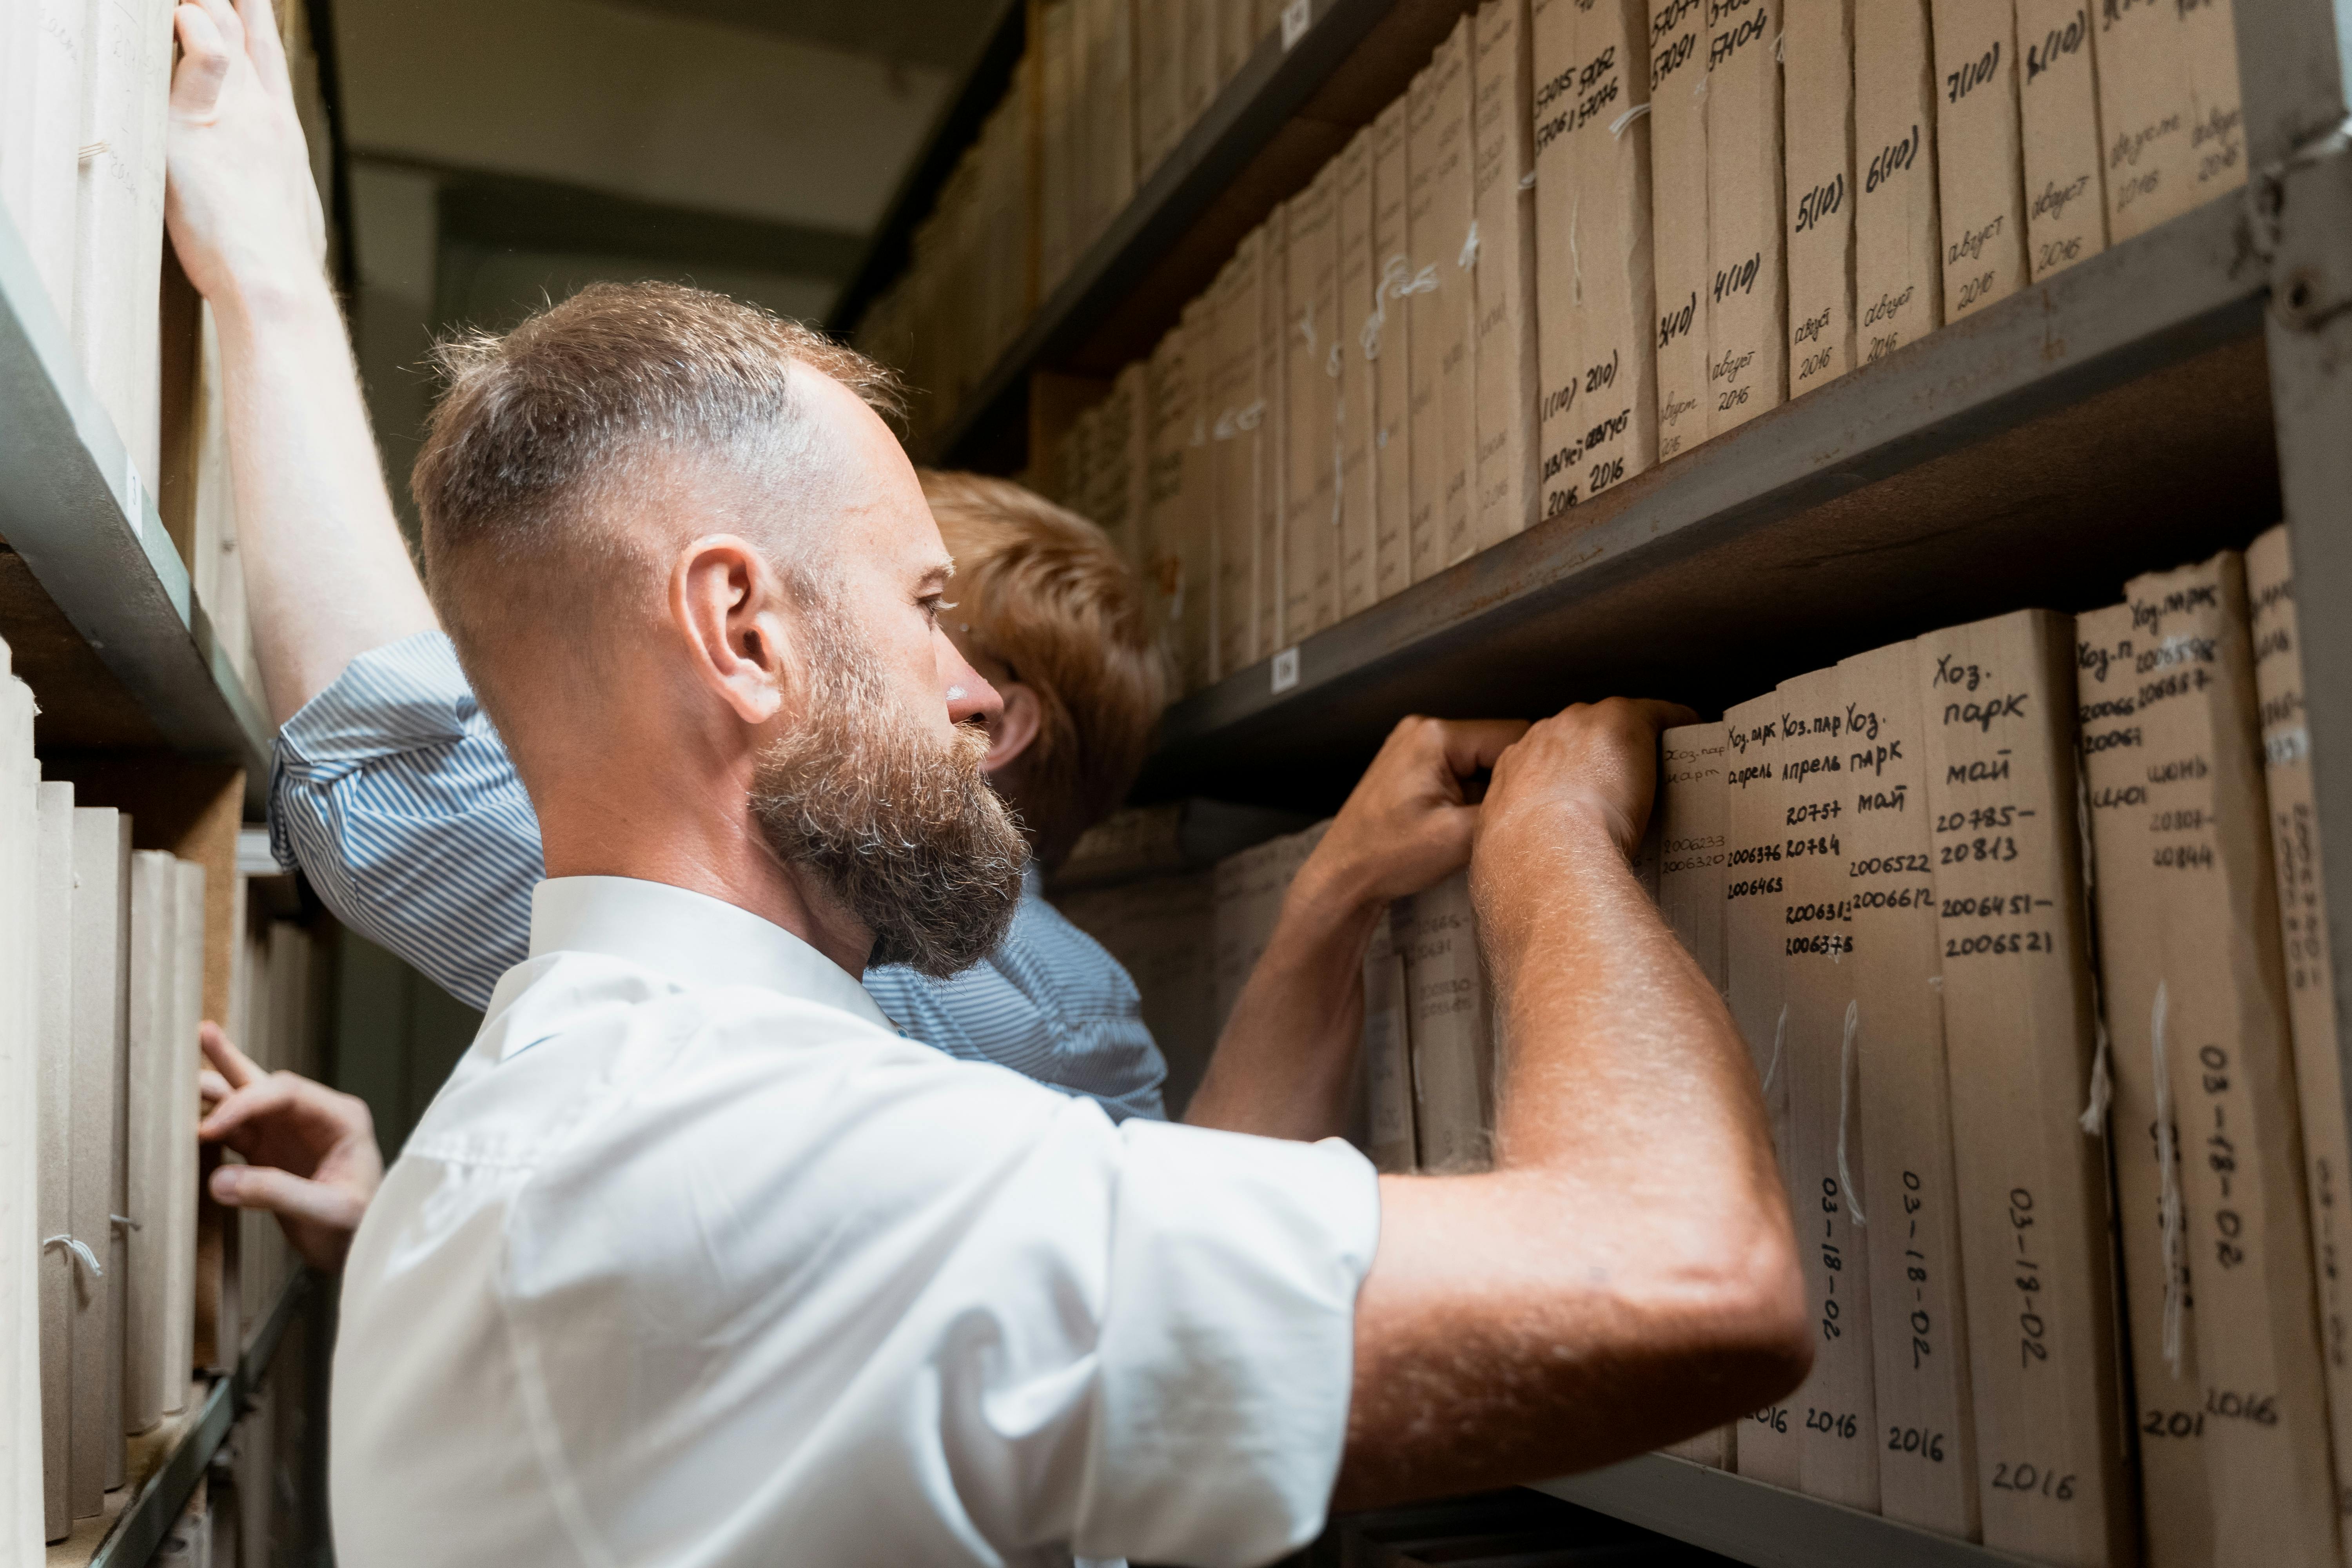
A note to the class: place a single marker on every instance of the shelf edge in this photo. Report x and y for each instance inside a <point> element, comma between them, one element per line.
<point>90,532</point>
<point>1760,1525</point>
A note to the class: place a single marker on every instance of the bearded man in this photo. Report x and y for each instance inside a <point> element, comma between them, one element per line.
<point>696,1258</point>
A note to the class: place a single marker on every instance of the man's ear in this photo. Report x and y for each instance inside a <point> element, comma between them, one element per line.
<point>727,604</point>
<point>1009,736</point>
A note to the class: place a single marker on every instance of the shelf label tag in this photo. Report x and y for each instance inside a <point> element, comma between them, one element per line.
<point>1295,18</point>
<point>1285,670</point>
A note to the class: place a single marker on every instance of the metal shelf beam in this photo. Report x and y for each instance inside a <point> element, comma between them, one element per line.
<point>1762,1525</point>
<point>73,506</point>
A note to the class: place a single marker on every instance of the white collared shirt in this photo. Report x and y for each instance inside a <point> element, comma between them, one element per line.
<point>695,1261</point>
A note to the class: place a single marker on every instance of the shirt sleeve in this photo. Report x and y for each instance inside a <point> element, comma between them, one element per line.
<point>1228,1344</point>
<point>394,793</point>
<point>936,1313</point>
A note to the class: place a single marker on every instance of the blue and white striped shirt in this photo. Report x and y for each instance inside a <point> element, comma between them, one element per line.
<point>393,792</point>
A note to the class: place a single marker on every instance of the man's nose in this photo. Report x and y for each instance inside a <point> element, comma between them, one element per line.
<point>969,696</point>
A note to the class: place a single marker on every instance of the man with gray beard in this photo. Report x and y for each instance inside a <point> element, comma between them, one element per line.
<point>696,1259</point>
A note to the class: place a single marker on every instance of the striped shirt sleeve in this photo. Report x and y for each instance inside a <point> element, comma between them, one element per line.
<point>394,793</point>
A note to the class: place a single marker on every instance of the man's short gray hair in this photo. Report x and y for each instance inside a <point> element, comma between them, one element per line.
<point>550,436</point>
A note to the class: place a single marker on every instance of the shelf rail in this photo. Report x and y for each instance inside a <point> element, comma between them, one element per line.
<point>72,504</point>
<point>1758,1524</point>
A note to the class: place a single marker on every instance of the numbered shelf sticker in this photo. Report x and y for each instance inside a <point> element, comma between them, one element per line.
<point>1295,17</point>
<point>1285,670</point>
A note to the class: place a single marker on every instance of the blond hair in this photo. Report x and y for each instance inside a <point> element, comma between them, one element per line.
<point>1042,590</point>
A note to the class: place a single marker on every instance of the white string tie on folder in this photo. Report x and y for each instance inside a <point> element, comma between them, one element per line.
<point>2168,1186</point>
<point>1307,325</point>
<point>1248,418</point>
<point>1617,126</point>
<point>1395,270</point>
<point>1845,1109</point>
<point>1469,256</point>
<point>1575,256</point>
<point>126,1222</point>
<point>80,1251</point>
<point>1397,279</point>
<point>2103,1087</point>
<point>1528,181</point>
<point>1779,1036</point>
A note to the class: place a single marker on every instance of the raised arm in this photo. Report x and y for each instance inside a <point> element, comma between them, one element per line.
<point>1285,1059</point>
<point>1627,1274</point>
<point>328,576</point>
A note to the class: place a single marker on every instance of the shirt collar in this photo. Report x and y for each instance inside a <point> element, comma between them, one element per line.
<point>689,937</point>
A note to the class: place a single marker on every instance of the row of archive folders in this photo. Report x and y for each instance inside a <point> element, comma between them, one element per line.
<point>2022,922</point>
<point>1589,237</point>
<point>1101,96</point>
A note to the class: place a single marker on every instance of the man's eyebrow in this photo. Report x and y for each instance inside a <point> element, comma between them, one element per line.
<point>938,573</point>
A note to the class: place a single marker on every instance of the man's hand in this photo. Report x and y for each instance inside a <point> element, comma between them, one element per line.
<point>310,1152</point>
<point>1408,823</point>
<point>1590,768</point>
<point>1599,758</point>
<point>239,199</point>
<point>1286,1060</point>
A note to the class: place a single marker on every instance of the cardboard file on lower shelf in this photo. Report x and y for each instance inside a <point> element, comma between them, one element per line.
<point>166,1463</point>
<point>1758,1524</point>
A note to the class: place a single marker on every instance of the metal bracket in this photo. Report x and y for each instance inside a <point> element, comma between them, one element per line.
<point>2301,299</point>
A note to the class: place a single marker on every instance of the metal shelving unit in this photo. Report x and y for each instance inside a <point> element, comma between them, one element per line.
<point>101,618</point>
<point>2171,396</point>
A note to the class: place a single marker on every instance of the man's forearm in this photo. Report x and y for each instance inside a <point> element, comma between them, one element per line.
<point>328,576</point>
<point>1288,1056</point>
<point>1623,1060</point>
<point>1629,1252</point>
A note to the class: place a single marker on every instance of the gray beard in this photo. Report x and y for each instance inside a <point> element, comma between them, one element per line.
<point>907,836</point>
